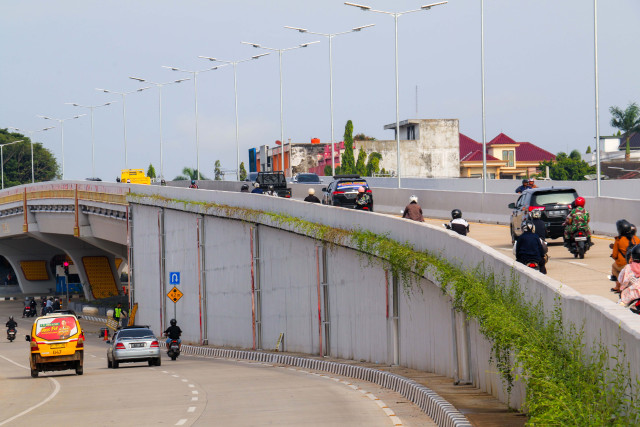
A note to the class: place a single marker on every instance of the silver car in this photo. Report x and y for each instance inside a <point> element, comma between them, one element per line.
<point>133,344</point>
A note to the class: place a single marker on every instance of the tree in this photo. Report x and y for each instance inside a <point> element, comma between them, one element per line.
<point>217,171</point>
<point>243,172</point>
<point>363,137</point>
<point>373,165</point>
<point>151,172</point>
<point>327,170</point>
<point>588,150</point>
<point>189,174</point>
<point>348,163</point>
<point>627,121</point>
<point>17,160</point>
<point>361,165</point>
<point>568,168</point>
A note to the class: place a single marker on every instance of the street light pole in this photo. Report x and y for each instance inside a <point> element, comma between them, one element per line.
<point>91,108</point>
<point>396,15</point>
<point>484,134</point>
<point>195,89</point>
<point>61,121</point>
<point>280,52</point>
<point>235,88</point>
<point>330,37</point>
<point>31,132</point>
<point>159,86</point>
<point>595,46</point>
<point>2,158</point>
<point>124,116</point>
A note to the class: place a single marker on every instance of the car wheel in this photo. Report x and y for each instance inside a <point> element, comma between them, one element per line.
<point>115,364</point>
<point>159,361</point>
<point>109,364</point>
<point>34,373</point>
<point>513,236</point>
<point>79,369</point>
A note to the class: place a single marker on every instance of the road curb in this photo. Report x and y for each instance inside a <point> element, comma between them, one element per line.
<point>8,298</point>
<point>441,411</point>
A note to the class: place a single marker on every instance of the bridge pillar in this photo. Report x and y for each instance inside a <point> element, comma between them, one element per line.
<point>30,261</point>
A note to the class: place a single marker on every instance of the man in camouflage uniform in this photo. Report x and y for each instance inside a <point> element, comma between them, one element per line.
<point>578,219</point>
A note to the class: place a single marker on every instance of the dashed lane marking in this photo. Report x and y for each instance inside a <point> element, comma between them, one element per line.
<point>579,263</point>
<point>181,422</point>
<point>194,399</point>
<point>191,409</point>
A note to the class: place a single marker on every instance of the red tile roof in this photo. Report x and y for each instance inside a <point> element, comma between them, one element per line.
<point>502,139</point>
<point>527,152</point>
<point>471,150</point>
<point>476,156</point>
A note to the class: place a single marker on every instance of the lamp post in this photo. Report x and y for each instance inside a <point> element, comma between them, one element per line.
<point>124,116</point>
<point>159,86</point>
<point>93,145</point>
<point>31,132</point>
<point>61,121</point>
<point>280,52</point>
<point>330,37</point>
<point>235,88</point>
<point>195,90</point>
<point>595,51</point>
<point>396,15</point>
<point>484,133</point>
<point>2,158</point>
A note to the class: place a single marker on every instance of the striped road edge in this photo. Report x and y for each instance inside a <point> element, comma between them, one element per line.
<point>8,298</point>
<point>441,411</point>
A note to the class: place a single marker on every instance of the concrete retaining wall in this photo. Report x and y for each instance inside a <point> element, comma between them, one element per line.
<point>286,272</point>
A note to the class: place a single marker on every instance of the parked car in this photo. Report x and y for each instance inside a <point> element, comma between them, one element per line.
<point>133,344</point>
<point>56,343</point>
<point>554,203</point>
<point>307,178</point>
<point>342,191</point>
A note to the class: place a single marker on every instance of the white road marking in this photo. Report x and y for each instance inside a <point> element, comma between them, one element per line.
<point>191,385</point>
<point>194,399</point>
<point>184,380</point>
<point>175,376</point>
<point>194,391</point>
<point>56,389</point>
<point>191,409</point>
<point>165,372</point>
<point>579,263</point>
<point>93,355</point>
<point>181,422</point>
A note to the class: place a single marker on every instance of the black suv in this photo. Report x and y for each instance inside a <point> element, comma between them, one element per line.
<point>554,203</point>
<point>342,191</point>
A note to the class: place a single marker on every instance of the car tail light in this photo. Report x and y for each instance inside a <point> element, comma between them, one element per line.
<point>120,346</point>
<point>34,344</point>
<point>536,208</point>
<point>80,343</point>
<point>154,344</point>
<point>368,190</point>
<point>288,196</point>
<point>338,192</point>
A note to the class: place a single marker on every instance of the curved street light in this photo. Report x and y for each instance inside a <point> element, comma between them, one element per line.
<point>61,121</point>
<point>31,132</point>
<point>2,158</point>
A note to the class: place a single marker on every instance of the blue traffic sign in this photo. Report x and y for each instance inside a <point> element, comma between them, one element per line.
<point>174,278</point>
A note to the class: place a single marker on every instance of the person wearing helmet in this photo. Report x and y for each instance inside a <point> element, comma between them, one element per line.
<point>271,191</point>
<point>629,278</point>
<point>173,332</point>
<point>577,220</point>
<point>257,189</point>
<point>532,183</point>
<point>193,184</point>
<point>11,324</point>
<point>457,223</point>
<point>529,247</point>
<point>244,188</point>
<point>364,200</point>
<point>163,182</point>
<point>541,228</point>
<point>625,240</point>
<point>524,186</point>
<point>413,211</point>
<point>312,197</point>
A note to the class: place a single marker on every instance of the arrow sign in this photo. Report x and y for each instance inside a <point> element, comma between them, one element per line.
<point>175,294</point>
<point>174,278</point>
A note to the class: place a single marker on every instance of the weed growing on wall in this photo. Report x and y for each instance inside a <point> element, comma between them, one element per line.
<point>567,382</point>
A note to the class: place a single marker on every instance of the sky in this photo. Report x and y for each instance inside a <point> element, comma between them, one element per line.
<point>539,74</point>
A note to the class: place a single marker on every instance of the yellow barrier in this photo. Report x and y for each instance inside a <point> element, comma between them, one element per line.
<point>34,270</point>
<point>100,276</point>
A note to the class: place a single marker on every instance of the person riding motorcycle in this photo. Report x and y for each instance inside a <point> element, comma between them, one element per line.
<point>629,278</point>
<point>529,247</point>
<point>257,189</point>
<point>577,220</point>
<point>625,240</point>
<point>413,210</point>
<point>173,332</point>
<point>524,186</point>
<point>540,227</point>
<point>363,200</point>
<point>457,223</point>
<point>11,324</point>
<point>244,188</point>
<point>193,184</point>
<point>312,197</point>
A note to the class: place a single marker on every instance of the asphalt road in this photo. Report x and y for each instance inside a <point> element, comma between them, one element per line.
<point>189,391</point>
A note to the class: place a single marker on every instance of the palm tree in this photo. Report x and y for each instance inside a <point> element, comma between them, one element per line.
<point>189,174</point>
<point>627,121</point>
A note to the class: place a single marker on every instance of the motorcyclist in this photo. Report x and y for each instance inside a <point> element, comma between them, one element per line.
<point>11,324</point>
<point>364,200</point>
<point>163,182</point>
<point>529,246</point>
<point>539,225</point>
<point>271,191</point>
<point>173,332</point>
<point>625,240</point>
<point>577,220</point>
<point>413,210</point>
<point>457,223</point>
<point>312,196</point>
<point>193,184</point>
<point>629,278</point>
<point>257,189</point>
<point>524,186</point>
<point>244,188</point>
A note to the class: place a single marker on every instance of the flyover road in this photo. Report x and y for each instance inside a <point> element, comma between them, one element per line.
<point>189,391</point>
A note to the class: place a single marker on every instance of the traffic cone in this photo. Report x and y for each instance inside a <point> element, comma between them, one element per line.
<point>106,334</point>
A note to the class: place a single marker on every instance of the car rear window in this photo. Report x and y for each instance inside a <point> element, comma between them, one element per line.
<point>351,184</point>
<point>136,333</point>
<point>56,328</point>
<point>308,178</point>
<point>554,198</point>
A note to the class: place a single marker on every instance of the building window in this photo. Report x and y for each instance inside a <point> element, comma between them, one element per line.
<point>411,132</point>
<point>509,156</point>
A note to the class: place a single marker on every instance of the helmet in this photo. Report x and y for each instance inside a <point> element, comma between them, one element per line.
<point>413,198</point>
<point>527,226</point>
<point>580,201</point>
<point>10,317</point>
<point>173,322</point>
<point>456,213</point>
<point>271,188</point>
<point>312,191</point>
<point>624,227</point>
<point>361,190</point>
<point>536,214</point>
<point>531,179</point>
<point>525,180</point>
<point>163,182</point>
<point>255,184</point>
<point>634,253</point>
<point>244,187</point>
<point>193,181</point>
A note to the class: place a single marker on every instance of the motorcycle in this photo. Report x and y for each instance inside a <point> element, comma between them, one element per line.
<point>11,334</point>
<point>174,350</point>
<point>29,311</point>
<point>533,264</point>
<point>635,305</point>
<point>579,244</point>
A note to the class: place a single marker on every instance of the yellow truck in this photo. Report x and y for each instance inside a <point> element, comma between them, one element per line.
<point>134,176</point>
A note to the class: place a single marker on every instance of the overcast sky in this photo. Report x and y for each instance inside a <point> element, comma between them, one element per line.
<point>539,73</point>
